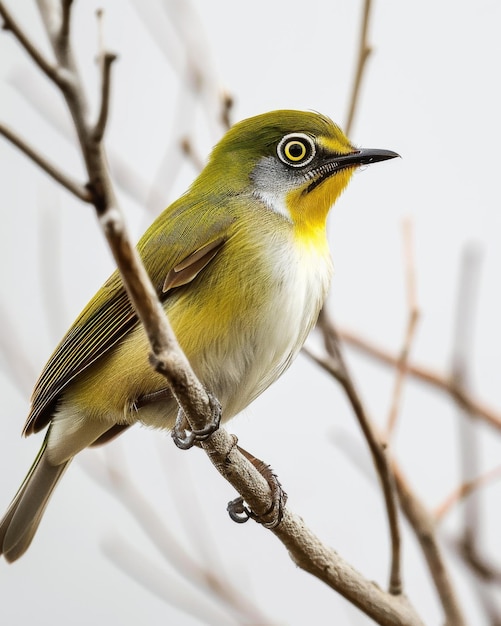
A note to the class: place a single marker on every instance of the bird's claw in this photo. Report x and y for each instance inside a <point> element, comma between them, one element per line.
<point>185,438</point>
<point>271,518</point>
<point>237,511</point>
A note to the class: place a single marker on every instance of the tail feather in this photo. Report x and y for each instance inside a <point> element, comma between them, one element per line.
<point>20,523</point>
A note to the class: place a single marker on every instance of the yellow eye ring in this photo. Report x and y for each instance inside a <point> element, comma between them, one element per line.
<point>296,149</point>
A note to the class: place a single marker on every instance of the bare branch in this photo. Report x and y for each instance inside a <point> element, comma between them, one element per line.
<point>64,33</point>
<point>190,152</point>
<point>158,581</point>
<point>305,549</point>
<point>52,170</point>
<point>100,126</point>
<point>413,317</point>
<point>363,54</point>
<point>51,70</point>
<point>105,61</point>
<point>21,370</point>
<point>467,298</point>
<point>463,491</point>
<point>427,375</point>
<point>424,528</point>
<point>227,103</point>
<point>336,366</point>
<point>203,578</point>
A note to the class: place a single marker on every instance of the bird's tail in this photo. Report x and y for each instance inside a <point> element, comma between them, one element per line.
<point>20,523</point>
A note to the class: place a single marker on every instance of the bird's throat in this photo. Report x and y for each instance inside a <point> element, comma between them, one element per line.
<point>308,209</point>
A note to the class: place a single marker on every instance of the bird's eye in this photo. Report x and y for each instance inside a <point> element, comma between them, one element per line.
<point>296,149</point>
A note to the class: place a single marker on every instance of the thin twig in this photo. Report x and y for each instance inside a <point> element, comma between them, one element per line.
<point>190,152</point>
<point>336,366</point>
<point>463,491</point>
<point>18,360</point>
<point>105,60</point>
<point>100,126</point>
<point>423,525</point>
<point>336,360</point>
<point>156,580</point>
<point>412,320</point>
<point>125,176</point>
<point>122,487</point>
<point>469,546</point>
<point>49,69</point>
<point>425,374</point>
<point>227,103</point>
<point>64,33</point>
<point>467,298</point>
<point>49,168</point>
<point>364,51</point>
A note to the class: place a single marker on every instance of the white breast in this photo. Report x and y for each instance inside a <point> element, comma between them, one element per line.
<point>302,279</point>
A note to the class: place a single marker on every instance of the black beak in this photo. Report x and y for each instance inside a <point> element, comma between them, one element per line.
<point>365,157</point>
<point>341,162</point>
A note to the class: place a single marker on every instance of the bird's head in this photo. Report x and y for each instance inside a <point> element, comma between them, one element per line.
<point>295,162</point>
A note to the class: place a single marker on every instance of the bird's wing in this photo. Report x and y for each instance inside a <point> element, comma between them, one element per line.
<point>176,248</point>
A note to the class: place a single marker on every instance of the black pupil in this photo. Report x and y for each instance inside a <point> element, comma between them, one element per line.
<point>296,150</point>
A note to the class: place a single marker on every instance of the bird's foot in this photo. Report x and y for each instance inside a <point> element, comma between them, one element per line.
<point>185,438</point>
<point>271,518</point>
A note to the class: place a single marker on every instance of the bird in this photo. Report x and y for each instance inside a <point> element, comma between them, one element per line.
<point>242,267</point>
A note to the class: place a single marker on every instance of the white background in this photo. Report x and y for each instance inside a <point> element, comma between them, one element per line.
<point>431,93</point>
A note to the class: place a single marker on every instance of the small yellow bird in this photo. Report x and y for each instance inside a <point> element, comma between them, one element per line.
<point>242,266</point>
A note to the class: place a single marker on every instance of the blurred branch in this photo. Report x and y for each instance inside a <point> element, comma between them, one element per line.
<point>335,364</point>
<point>183,41</point>
<point>167,588</point>
<point>49,261</point>
<point>424,374</point>
<point>53,72</point>
<point>17,360</point>
<point>424,527</point>
<point>52,170</point>
<point>127,178</point>
<point>462,493</point>
<point>191,154</point>
<point>207,579</point>
<point>469,545</point>
<point>413,317</point>
<point>469,278</point>
<point>364,51</point>
<point>98,130</point>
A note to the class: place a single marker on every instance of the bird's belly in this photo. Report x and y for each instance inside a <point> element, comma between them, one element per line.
<point>238,342</point>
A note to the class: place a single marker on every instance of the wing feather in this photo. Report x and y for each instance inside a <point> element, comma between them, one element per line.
<point>180,232</point>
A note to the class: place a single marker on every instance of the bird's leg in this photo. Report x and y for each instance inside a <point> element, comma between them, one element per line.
<point>240,513</point>
<point>182,434</point>
<point>186,438</point>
